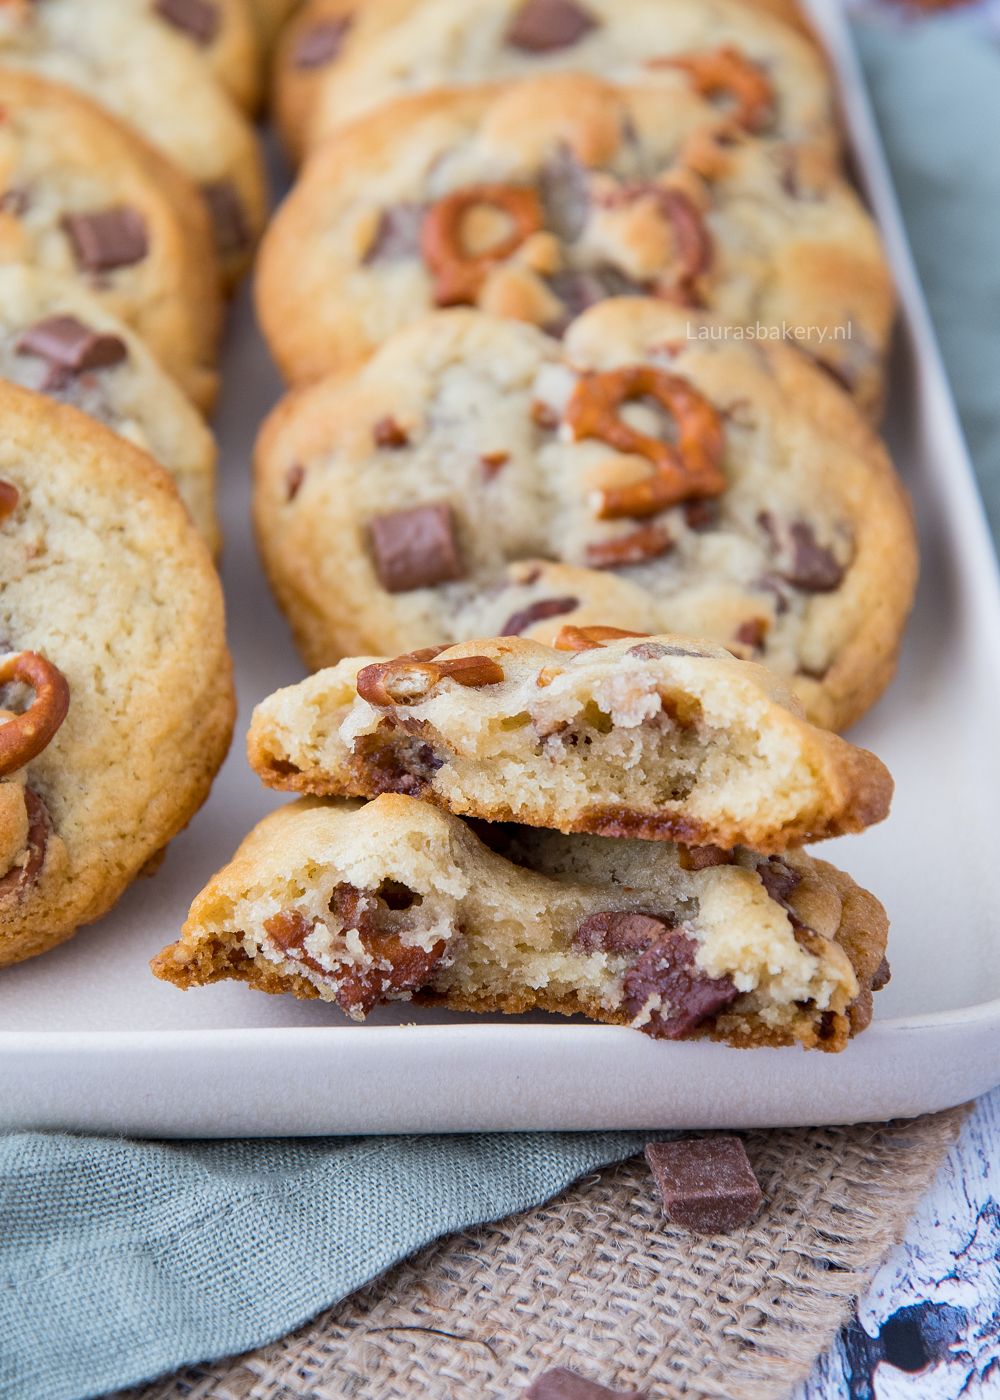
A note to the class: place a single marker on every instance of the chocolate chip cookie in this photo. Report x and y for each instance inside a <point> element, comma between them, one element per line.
<point>222,33</point>
<point>538,199</point>
<point>397,900</point>
<point>57,339</point>
<point>84,197</point>
<point>131,63</point>
<point>657,737</point>
<point>727,488</point>
<point>734,53</point>
<point>116,682</point>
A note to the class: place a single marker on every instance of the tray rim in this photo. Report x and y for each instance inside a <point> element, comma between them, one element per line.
<point>874,175</point>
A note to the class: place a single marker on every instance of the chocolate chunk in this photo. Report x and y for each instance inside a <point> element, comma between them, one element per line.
<point>778,878</point>
<point>492,463</point>
<point>320,43</point>
<point>397,234</point>
<point>752,632</point>
<point>563,1384</point>
<point>563,185</point>
<point>537,612</point>
<point>388,433</point>
<point>69,344</point>
<point>19,879</point>
<point>415,548</point>
<point>294,477</point>
<point>229,221</point>
<point>814,568</point>
<point>9,497</point>
<point>649,651</point>
<point>701,515</point>
<point>622,932</point>
<point>542,26</point>
<point>14,201</point>
<point>679,996</point>
<point>109,239</point>
<point>197,18</point>
<point>706,1184</point>
<point>580,289</point>
<point>544,416</point>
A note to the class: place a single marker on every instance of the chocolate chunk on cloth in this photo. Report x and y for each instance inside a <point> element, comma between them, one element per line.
<point>320,43</point>
<point>69,344</point>
<point>668,993</point>
<point>542,26</point>
<point>706,1184</point>
<point>564,1384</point>
<point>415,548</point>
<point>229,222</point>
<point>199,19</point>
<point>108,239</point>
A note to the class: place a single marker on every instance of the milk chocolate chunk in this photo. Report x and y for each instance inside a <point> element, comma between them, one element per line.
<point>19,879</point>
<point>537,612</point>
<point>9,497</point>
<point>320,43</point>
<point>69,344</point>
<point>671,992</point>
<point>108,239</point>
<point>706,1184</point>
<point>814,569</point>
<point>622,932</point>
<point>397,234</point>
<point>415,548</point>
<point>229,221</point>
<point>564,1384</point>
<point>542,26</point>
<point>387,432</point>
<point>564,187</point>
<point>199,19</point>
<point>778,878</point>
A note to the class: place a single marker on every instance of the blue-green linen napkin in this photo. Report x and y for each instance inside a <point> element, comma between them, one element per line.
<point>120,1260</point>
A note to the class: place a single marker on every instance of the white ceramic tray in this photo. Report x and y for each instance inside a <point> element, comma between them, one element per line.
<point>90,1041</point>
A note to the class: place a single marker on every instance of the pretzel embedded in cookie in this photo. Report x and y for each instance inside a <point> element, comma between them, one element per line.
<point>726,72</point>
<point>683,471</point>
<point>407,679</point>
<point>25,736</point>
<point>458,273</point>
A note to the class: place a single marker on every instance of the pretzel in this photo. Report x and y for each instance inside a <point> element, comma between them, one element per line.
<point>458,274</point>
<point>570,638</point>
<point>24,736</point>
<point>728,72</point>
<point>683,471</point>
<point>407,679</point>
<point>9,497</point>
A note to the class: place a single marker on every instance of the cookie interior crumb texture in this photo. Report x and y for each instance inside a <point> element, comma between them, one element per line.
<point>361,904</point>
<point>659,737</point>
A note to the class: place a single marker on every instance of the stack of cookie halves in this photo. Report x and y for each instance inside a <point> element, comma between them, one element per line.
<point>611,826</point>
<point>131,194</point>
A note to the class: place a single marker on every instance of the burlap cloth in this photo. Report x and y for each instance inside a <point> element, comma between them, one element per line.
<point>597,1280</point>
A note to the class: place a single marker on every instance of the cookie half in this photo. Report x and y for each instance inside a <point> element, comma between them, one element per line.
<point>115,680</point>
<point>128,61</point>
<point>723,486</point>
<point>659,737</point>
<point>84,197</point>
<point>385,49</point>
<point>58,339</point>
<point>539,199</point>
<point>396,900</point>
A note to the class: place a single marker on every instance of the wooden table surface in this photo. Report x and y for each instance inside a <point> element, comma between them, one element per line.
<point>930,1326</point>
